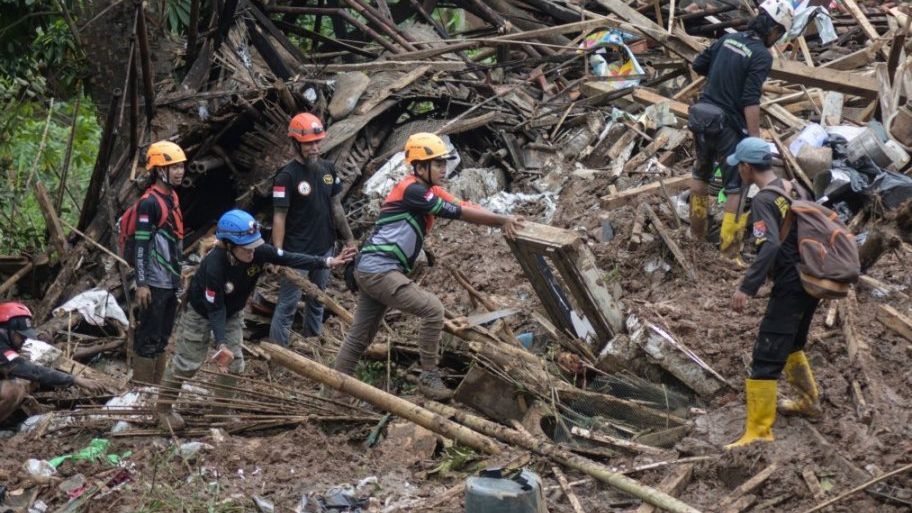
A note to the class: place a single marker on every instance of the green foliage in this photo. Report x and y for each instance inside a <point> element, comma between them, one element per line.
<point>37,49</point>
<point>454,459</point>
<point>22,125</point>
<point>371,372</point>
<point>178,14</point>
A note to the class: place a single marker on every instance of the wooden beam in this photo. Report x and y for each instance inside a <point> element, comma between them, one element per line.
<point>865,24</point>
<point>669,241</point>
<point>678,41</point>
<point>649,97</point>
<point>896,321</point>
<point>832,109</point>
<point>673,484</point>
<point>824,78</point>
<point>51,219</point>
<point>791,161</point>
<point>748,486</point>
<point>856,59</point>
<point>628,196</point>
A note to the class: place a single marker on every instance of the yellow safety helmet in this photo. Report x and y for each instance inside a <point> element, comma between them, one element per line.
<point>426,146</point>
<point>164,153</point>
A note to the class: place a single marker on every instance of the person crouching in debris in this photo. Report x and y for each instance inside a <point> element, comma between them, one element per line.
<point>16,371</point>
<point>784,328</point>
<point>153,231</point>
<point>735,67</point>
<point>308,211</point>
<point>218,292</point>
<point>406,217</point>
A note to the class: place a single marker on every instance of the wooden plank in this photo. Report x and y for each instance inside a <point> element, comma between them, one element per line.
<point>832,109</point>
<point>51,219</point>
<point>650,97</point>
<point>568,491</point>
<point>896,321</point>
<point>791,161</point>
<point>384,93</point>
<point>615,442</point>
<point>747,487</point>
<point>672,484</point>
<point>628,196</point>
<point>669,241</point>
<point>825,78</point>
<point>865,24</point>
<point>856,59</point>
<point>813,484</point>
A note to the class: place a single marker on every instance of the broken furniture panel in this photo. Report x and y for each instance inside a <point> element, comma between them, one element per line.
<point>537,245</point>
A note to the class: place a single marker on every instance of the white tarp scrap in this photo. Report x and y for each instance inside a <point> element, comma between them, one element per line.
<point>95,306</point>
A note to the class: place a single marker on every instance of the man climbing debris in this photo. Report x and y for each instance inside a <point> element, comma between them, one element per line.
<point>735,66</point>
<point>308,210</point>
<point>16,372</point>
<point>156,250</point>
<point>218,293</point>
<point>406,217</point>
<point>784,328</point>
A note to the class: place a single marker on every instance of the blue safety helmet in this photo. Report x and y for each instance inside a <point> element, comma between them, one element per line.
<point>239,228</point>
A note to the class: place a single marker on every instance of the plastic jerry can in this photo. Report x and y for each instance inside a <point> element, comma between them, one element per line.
<point>493,491</point>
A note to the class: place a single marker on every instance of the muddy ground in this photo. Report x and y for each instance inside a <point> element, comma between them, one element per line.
<point>841,448</point>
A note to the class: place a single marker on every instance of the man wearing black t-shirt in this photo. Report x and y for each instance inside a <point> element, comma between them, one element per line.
<point>308,210</point>
<point>735,67</point>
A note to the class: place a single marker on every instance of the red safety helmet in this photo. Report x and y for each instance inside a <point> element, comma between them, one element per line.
<point>305,127</point>
<point>17,317</point>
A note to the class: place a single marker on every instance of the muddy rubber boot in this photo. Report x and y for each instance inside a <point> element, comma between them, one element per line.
<point>431,385</point>
<point>732,238</point>
<point>161,362</point>
<point>222,395</point>
<point>143,370</point>
<point>165,415</point>
<point>761,412</point>
<point>699,216</point>
<point>798,374</point>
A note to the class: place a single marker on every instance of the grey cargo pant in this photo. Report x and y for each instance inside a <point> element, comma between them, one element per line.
<point>377,293</point>
<point>194,339</point>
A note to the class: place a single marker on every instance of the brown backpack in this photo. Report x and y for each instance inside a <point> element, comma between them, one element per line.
<point>829,255</point>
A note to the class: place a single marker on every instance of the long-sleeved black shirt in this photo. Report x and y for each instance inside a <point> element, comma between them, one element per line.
<point>13,365</point>
<point>776,259</point>
<point>222,284</point>
<point>735,67</point>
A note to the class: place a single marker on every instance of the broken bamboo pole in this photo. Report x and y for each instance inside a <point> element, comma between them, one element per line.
<point>313,291</point>
<point>564,457</point>
<point>354,387</point>
<point>146,61</point>
<point>859,488</point>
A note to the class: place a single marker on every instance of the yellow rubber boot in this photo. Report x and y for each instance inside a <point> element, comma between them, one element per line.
<point>798,374</point>
<point>732,237</point>
<point>699,216</point>
<point>761,412</point>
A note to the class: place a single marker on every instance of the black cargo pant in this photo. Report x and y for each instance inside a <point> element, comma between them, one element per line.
<point>784,328</point>
<point>155,323</point>
<point>716,148</point>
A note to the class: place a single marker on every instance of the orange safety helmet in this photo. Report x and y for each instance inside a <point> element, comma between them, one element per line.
<point>305,127</point>
<point>426,146</point>
<point>164,153</point>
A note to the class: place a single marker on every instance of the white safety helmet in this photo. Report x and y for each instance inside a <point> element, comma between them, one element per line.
<point>781,11</point>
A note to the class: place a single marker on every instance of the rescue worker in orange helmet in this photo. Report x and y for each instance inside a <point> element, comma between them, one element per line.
<point>307,213</point>
<point>387,257</point>
<point>16,371</point>
<point>158,245</point>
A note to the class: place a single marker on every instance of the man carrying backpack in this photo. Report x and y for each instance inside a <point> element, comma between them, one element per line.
<point>217,295</point>
<point>308,211</point>
<point>735,67</point>
<point>156,248</point>
<point>784,328</point>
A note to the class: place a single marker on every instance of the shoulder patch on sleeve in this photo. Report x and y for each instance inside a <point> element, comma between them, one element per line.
<point>278,191</point>
<point>429,195</point>
<point>760,229</point>
<point>10,355</point>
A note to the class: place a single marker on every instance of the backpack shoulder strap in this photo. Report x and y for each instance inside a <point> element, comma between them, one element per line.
<point>164,211</point>
<point>789,216</point>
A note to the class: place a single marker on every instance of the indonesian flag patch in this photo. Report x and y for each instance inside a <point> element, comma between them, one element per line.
<point>210,295</point>
<point>429,196</point>
<point>10,355</point>
<point>144,218</point>
<point>760,229</point>
<point>278,191</point>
